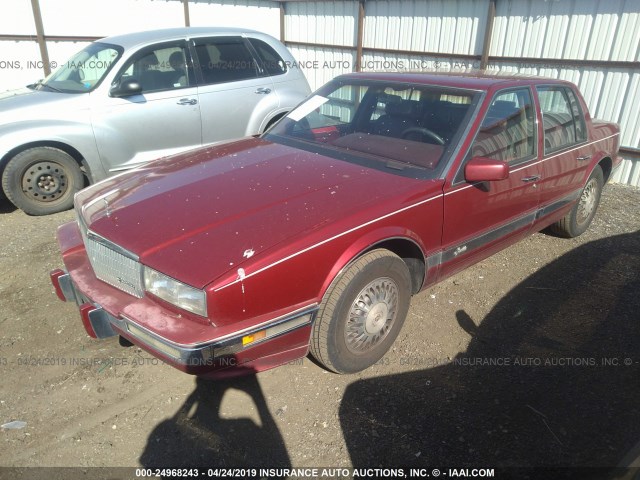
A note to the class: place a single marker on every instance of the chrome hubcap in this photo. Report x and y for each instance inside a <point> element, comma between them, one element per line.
<point>44,181</point>
<point>371,315</point>
<point>587,201</point>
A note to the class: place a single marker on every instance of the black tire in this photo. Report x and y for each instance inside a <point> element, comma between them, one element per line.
<point>348,335</point>
<point>42,180</point>
<point>577,221</point>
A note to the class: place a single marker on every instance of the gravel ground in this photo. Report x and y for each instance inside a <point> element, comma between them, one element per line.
<point>530,358</point>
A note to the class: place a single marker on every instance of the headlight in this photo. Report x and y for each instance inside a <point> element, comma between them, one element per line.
<point>175,292</point>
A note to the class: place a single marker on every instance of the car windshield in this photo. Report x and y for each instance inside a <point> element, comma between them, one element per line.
<point>84,71</point>
<point>402,127</point>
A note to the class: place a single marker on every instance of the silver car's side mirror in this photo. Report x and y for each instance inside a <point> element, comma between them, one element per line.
<point>126,88</point>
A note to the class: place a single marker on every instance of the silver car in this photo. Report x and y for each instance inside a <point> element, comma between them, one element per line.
<point>128,99</point>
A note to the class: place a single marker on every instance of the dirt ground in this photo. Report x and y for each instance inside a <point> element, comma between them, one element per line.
<point>531,358</point>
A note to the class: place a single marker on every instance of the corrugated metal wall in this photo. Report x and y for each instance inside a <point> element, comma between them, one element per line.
<point>20,60</point>
<point>529,36</point>
<point>595,44</point>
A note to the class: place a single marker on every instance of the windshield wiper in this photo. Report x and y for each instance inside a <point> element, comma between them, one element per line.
<point>39,85</point>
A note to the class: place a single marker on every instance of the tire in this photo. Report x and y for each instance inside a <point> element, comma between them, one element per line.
<point>344,338</point>
<point>577,221</point>
<point>42,180</point>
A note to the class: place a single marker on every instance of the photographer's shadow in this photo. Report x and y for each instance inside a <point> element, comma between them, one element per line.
<point>572,401</point>
<point>198,435</point>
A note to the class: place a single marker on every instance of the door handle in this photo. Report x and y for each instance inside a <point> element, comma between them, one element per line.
<point>263,91</point>
<point>187,101</point>
<point>532,178</point>
<point>582,158</point>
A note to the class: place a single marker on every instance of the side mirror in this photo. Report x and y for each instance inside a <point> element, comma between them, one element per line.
<point>126,88</point>
<point>482,169</point>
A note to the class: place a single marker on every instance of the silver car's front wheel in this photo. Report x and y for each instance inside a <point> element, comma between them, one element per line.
<point>42,180</point>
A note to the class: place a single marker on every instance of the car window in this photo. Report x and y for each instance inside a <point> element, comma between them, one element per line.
<point>225,59</point>
<point>507,131</point>
<point>162,68</point>
<point>386,126</point>
<point>271,61</point>
<point>562,118</point>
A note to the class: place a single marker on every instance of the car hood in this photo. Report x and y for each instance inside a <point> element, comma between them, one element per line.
<point>199,215</point>
<point>26,104</point>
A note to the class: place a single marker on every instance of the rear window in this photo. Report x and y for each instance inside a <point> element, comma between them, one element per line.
<point>225,59</point>
<point>562,118</point>
<point>272,63</point>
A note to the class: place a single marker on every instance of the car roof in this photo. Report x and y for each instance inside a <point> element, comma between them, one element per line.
<point>129,40</point>
<point>468,79</point>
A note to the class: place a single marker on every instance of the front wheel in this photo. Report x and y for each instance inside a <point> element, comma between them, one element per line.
<point>42,180</point>
<point>579,218</point>
<point>362,313</point>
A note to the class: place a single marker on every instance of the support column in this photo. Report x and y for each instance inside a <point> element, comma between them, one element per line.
<point>42,43</point>
<point>488,33</point>
<point>283,37</point>
<point>360,35</point>
<point>187,21</point>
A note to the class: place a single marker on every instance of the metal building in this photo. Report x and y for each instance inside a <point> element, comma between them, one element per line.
<point>593,43</point>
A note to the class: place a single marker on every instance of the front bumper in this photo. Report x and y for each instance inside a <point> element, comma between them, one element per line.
<point>189,346</point>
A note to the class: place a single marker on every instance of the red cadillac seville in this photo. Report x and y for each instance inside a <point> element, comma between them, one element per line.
<point>314,236</point>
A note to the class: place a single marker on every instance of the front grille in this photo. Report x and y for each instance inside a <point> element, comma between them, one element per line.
<point>111,266</point>
<point>114,268</point>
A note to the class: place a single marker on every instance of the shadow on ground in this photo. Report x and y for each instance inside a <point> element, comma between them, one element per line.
<point>6,206</point>
<point>198,436</point>
<point>572,401</point>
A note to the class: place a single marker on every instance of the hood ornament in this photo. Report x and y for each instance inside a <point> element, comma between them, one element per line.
<point>106,206</point>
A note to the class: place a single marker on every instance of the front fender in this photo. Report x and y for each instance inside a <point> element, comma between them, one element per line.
<point>368,242</point>
<point>77,136</point>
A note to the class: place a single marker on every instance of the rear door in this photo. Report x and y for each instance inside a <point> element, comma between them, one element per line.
<point>481,218</point>
<point>566,153</point>
<point>234,91</point>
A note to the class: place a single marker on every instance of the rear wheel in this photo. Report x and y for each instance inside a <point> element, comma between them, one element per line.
<point>362,313</point>
<point>579,218</point>
<point>42,180</point>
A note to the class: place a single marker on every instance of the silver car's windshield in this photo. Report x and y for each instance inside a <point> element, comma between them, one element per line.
<point>84,71</point>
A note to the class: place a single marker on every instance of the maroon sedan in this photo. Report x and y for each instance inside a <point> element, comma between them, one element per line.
<point>314,236</point>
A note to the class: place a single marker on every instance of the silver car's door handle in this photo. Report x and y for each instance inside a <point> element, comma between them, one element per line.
<point>582,158</point>
<point>187,101</point>
<point>532,178</point>
<point>263,91</point>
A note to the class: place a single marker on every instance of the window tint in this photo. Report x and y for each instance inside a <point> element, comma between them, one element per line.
<point>163,68</point>
<point>508,130</point>
<point>225,59</point>
<point>272,62</point>
<point>561,117</point>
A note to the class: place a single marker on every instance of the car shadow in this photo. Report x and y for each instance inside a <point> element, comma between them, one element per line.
<point>199,435</point>
<point>550,378</point>
<point>6,206</point>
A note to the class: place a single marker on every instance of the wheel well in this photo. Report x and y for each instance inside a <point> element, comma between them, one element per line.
<point>411,254</point>
<point>75,154</point>
<point>274,120</point>
<point>606,164</point>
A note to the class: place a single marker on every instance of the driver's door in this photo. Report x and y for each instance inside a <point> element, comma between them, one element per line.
<point>481,218</point>
<point>162,119</point>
